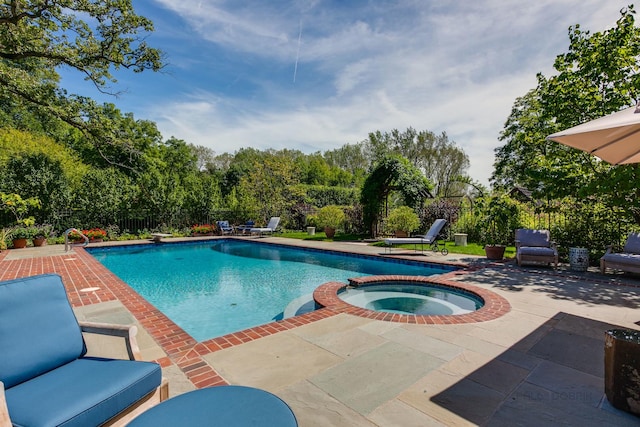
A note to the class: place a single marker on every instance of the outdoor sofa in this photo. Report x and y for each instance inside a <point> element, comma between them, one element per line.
<point>46,379</point>
<point>627,260</point>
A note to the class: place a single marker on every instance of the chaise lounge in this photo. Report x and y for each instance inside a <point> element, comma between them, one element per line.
<point>224,227</point>
<point>269,229</point>
<point>430,238</point>
<point>535,247</point>
<point>46,379</point>
<point>627,260</point>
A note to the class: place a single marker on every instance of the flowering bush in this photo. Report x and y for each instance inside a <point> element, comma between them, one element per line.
<point>95,233</point>
<point>75,236</point>
<point>203,228</point>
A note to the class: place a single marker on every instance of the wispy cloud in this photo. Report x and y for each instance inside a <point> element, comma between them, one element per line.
<point>437,65</point>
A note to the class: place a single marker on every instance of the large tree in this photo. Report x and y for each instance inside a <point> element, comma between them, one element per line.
<point>598,75</point>
<point>93,37</point>
<point>440,159</point>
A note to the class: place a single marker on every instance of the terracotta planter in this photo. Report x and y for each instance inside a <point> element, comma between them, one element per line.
<point>95,240</point>
<point>19,243</point>
<point>495,252</point>
<point>330,232</point>
<point>39,241</point>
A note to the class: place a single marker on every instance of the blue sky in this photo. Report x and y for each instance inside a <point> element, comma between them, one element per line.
<point>314,75</point>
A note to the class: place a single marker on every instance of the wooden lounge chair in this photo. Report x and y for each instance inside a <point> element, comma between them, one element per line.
<point>45,376</point>
<point>627,260</point>
<point>535,247</point>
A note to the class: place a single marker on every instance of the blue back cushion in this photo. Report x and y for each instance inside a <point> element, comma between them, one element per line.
<point>529,237</point>
<point>38,330</point>
<point>633,243</point>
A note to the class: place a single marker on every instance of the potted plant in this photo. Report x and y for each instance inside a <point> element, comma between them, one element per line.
<point>330,217</point>
<point>40,234</point>
<point>20,236</point>
<point>497,225</point>
<point>203,230</point>
<point>402,221</point>
<point>95,234</point>
<point>312,223</point>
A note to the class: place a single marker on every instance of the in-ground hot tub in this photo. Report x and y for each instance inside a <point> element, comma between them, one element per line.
<point>412,299</point>
<point>405,297</point>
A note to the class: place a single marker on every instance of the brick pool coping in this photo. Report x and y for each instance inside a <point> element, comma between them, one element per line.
<point>88,282</point>
<point>494,306</point>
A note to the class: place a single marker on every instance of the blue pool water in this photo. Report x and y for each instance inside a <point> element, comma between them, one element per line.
<point>214,288</point>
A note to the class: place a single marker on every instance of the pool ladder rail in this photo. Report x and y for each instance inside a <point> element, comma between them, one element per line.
<point>67,245</point>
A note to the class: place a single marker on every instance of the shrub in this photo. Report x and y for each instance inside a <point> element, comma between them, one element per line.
<point>402,218</point>
<point>331,216</point>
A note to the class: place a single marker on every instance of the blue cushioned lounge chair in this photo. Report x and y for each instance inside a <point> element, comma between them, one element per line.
<point>430,238</point>
<point>224,227</point>
<point>269,229</point>
<point>46,379</point>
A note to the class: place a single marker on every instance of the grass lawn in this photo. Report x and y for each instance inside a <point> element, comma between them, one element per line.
<point>470,249</point>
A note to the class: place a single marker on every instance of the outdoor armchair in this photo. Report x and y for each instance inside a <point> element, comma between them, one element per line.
<point>535,247</point>
<point>627,260</point>
<point>46,377</point>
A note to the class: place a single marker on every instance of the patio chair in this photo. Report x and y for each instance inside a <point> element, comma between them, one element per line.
<point>224,227</point>
<point>535,247</point>
<point>46,377</point>
<point>269,229</point>
<point>430,238</point>
<point>627,260</point>
<point>246,227</point>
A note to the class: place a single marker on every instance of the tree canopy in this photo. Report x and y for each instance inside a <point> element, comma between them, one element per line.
<point>94,38</point>
<point>392,172</point>
<point>598,75</point>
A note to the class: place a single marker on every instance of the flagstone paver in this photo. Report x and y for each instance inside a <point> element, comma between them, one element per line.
<point>539,362</point>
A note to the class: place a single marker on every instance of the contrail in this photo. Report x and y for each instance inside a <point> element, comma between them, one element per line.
<point>295,68</point>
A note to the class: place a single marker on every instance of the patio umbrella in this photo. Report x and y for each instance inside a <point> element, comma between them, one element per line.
<point>614,138</point>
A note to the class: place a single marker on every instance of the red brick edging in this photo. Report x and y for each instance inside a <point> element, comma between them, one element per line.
<point>494,306</point>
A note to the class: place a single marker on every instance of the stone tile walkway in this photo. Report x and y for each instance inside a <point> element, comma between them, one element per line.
<point>540,363</point>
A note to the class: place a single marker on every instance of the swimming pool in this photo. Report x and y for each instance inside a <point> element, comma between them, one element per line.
<point>218,287</point>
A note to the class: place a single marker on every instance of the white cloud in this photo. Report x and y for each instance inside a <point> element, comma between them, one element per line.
<point>439,66</point>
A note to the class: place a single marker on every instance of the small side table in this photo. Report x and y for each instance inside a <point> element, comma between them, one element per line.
<point>460,239</point>
<point>229,406</point>
<point>579,259</point>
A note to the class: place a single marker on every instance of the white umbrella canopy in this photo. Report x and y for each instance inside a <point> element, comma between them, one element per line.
<point>614,138</point>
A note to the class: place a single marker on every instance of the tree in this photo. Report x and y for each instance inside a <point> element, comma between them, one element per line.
<point>598,75</point>
<point>439,159</point>
<point>93,38</point>
<point>392,173</point>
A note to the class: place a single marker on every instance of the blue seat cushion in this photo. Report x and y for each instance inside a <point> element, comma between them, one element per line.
<point>221,406</point>
<point>623,258</point>
<point>536,251</point>
<point>85,392</point>
<point>38,330</point>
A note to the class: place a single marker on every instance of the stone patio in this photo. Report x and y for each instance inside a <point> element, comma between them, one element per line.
<point>541,363</point>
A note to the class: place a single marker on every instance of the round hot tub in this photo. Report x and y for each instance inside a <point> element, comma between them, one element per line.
<point>412,298</point>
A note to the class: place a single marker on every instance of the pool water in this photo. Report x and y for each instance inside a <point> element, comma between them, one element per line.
<point>218,287</point>
<point>410,298</point>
